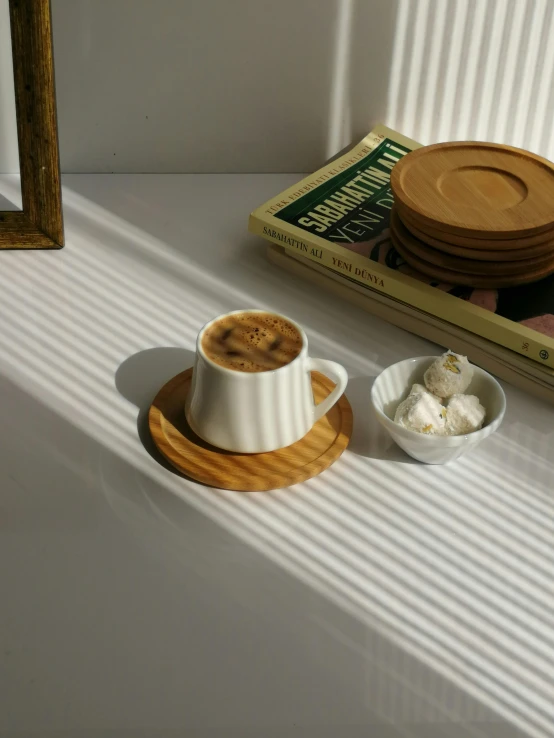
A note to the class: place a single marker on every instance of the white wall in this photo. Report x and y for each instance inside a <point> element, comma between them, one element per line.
<point>255,85</point>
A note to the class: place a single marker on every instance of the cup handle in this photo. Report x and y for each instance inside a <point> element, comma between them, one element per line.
<point>338,374</point>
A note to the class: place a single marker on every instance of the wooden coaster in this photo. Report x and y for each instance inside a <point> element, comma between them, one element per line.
<point>481,248</point>
<point>477,281</point>
<point>466,266</point>
<point>477,189</point>
<point>247,472</point>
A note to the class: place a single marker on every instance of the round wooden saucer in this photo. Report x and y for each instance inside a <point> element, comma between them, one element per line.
<point>247,472</point>
<point>477,281</point>
<point>477,189</point>
<point>480,248</point>
<point>466,266</point>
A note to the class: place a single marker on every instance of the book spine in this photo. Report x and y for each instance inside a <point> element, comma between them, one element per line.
<point>448,331</point>
<point>338,285</point>
<point>406,289</point>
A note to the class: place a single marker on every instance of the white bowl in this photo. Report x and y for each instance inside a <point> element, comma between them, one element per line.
<point>393,385</point>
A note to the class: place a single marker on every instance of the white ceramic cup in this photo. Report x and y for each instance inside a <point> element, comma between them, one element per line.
<point>254,412</point>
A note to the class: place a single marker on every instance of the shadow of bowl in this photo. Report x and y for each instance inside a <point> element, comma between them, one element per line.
<point>369,438</point>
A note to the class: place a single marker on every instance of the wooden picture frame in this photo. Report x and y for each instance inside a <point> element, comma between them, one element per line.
<point>40,224</point>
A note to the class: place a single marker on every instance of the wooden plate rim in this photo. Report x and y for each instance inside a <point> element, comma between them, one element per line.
<point>458,278</point>
<point>256,482</point>
<point>478,252</point>
<point>463,265</point>
<point>454,228</point>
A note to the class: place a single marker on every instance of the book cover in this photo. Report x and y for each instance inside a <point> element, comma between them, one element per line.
<point>339,217</point>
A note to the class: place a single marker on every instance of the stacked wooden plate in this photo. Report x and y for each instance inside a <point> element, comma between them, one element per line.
<point>475,214</point>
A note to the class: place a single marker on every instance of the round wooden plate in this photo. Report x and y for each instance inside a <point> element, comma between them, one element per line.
<point>247,472</point>
<point>469,280</point>
<point>480,248</point>
<point>477,189</point>
<point>457,264</point>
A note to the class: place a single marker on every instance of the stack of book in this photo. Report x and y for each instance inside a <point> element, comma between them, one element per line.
<point>334,229</point>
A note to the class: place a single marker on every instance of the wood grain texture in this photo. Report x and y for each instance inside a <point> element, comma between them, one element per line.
<point>18,232</point>
<point>476,189</point>
<point>482,249</point>
<point>469,280</point>
<point>247,472</point>
<point>464,265</point>
<point>41,224</point>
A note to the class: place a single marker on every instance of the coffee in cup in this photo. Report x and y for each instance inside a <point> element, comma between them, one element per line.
<point>252,341</point>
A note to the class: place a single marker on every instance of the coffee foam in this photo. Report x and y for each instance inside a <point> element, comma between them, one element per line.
<point>252,342</point>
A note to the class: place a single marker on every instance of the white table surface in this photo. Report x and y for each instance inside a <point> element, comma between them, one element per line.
<point>384,598</point>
